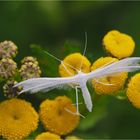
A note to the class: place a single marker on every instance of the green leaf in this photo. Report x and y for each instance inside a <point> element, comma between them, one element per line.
<point>71,46</point>
<point>49,66</point>
<point>121,95</point>
<point>39,130</point>
<point>98,113</point>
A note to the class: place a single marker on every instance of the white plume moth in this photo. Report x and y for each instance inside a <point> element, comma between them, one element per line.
<point>80,79</point>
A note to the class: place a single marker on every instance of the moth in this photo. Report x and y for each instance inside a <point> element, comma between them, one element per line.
<point>46,84</point>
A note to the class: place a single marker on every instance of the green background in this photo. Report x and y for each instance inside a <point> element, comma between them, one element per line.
<point>59,27</point>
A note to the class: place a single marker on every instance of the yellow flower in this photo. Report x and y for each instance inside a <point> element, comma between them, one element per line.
<point>47,136</point>
<point>118,44</point>
<point>72,138</point>
<point>101,85</point>
<point>56,118</point>
<point>17,119</point>
<point>75,61</point>
<point>133,90</point>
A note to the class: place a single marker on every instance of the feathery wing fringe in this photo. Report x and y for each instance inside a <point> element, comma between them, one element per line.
<point>132,61</point>
<point>125,65</point>
<point>41,84</point>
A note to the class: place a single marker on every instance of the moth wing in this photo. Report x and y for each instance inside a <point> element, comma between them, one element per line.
<point>125,65</point>
<point>112,71</point>
<point>132,61</point>
<point>87,98</point>
<point>41,84</point>
<point>45,88</point>
<point>115,69</point>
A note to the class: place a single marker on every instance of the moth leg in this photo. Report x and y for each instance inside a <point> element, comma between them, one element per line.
<point>78,114</point>
<point>66,69</point>
<point>97,80</point>
<point>77,101</point>
<point>77,105</point>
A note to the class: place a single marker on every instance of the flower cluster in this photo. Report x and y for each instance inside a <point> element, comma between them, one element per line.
<point>8,66</point>
<point>29,68</point>
<point>9,70</point>
<point>8,89</point>
<point>8,49</point>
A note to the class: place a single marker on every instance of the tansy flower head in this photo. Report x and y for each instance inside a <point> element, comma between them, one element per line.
<point>47,136</point>
<point>9,90</point>
<point>74,60</point>
<point>56,118</point>
<point>7,68</point>
<point>118,44</point>
<point>109,84</point>
<point>28,59</point>
<point>72,138</point>
<point>17,119</point>
<point>133,90</point>
<point>30,70</point>
<point>8,49</point>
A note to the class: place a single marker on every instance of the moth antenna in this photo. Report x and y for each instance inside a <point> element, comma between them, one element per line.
<point>60,60</point>
<point>84,52</point>
<point>70,66</point>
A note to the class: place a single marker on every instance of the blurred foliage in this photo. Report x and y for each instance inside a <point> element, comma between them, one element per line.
<point>58,27</point>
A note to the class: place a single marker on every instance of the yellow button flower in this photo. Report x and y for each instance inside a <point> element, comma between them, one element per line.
<point>118,44</point>
<point>133,90</point>
<point>109,84</point>
<point>47,136</point>
<point>56,118</point>
<point>75,61</point>
<point>17,119</point>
